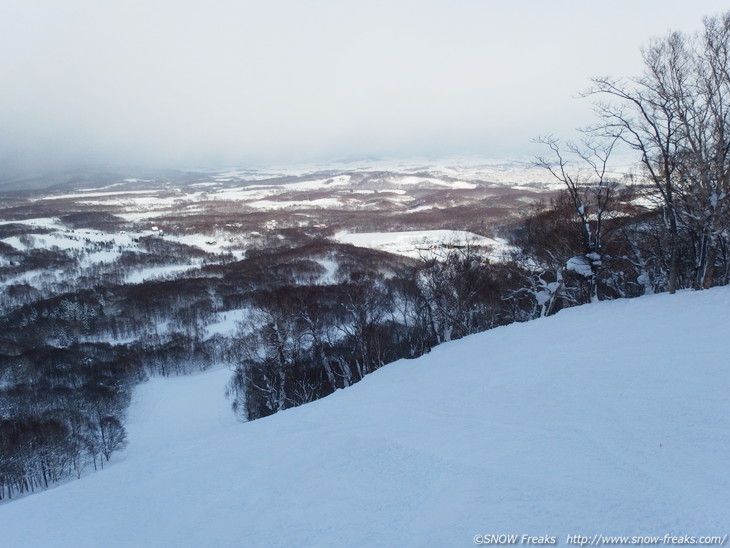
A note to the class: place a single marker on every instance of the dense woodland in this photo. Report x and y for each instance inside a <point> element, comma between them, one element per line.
<point>72,348</point>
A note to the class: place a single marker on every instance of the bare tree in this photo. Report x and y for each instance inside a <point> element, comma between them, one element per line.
<point>456,282</point>
<point>313,314</point>
<point>365,305</point>
<point>269,350</point>
<point>705,168</point>
<point>676,116</point>
<point>583,170</point>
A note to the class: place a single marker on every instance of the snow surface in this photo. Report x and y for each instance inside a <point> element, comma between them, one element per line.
<point>157,272</point>
<point>87,193</point>
<point>420,243</point>
<point>228,323</point>
<point>453,174</point>
<point>418,180</point>
<point>579,265</point>
<point>512,171</point>
<point>284,204</point>
<point>52,223</point>
<point>331,267</point>
<point>611,418</point>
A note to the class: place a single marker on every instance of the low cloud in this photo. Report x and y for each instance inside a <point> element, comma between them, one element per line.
<point>201,84</point>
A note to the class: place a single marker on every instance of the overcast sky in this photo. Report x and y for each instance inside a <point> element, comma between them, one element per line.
<point>177,83</point>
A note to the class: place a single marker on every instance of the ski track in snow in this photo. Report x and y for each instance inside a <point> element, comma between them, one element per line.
<point>611,418</point>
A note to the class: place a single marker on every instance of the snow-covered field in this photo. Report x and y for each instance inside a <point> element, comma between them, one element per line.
<point>420,244</point>
<point>156,273</point>
<point>94,246</point>
<point>606,419</point>
<point>261,190</point>
<point>466,171</point>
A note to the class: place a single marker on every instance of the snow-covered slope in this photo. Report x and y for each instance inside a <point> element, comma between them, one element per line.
<point>606,419</point>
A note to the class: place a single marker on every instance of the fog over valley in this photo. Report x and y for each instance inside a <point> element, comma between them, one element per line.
<point>240,84</point>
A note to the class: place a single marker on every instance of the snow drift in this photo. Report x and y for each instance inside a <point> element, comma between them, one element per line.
<point>611,418</point>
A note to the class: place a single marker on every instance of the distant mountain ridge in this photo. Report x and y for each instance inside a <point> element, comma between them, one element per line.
<point>494,171</point>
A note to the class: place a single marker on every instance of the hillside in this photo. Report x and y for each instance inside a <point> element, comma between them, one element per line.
<point>604,419</point>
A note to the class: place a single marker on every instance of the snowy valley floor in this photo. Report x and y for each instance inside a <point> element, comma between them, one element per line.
<point>611,418</point>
